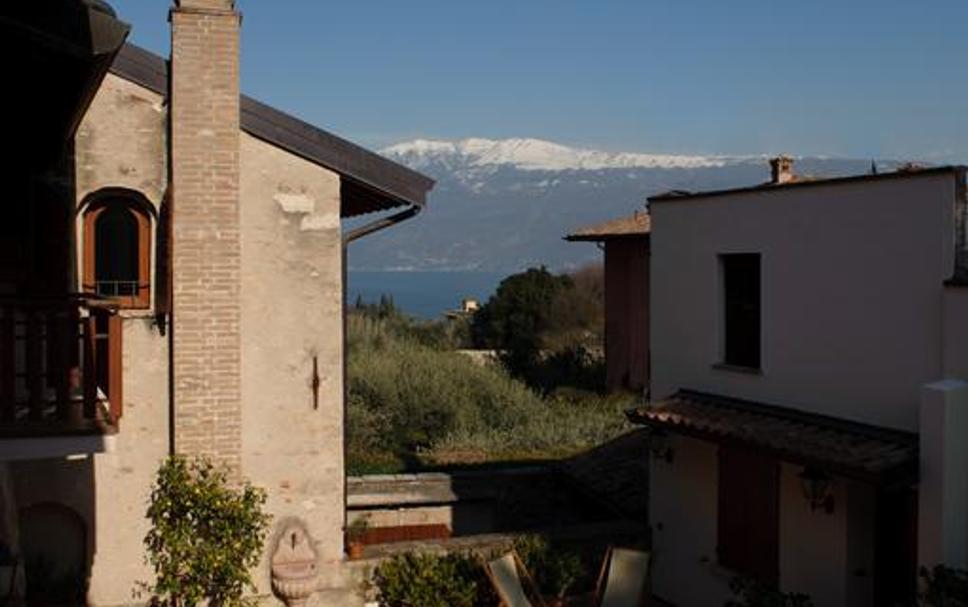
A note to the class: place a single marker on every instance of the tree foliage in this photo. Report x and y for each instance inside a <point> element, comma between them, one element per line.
<point>516,317</point>
<point>544,325</point>
<point>205,536</point>
<point>944,587</point>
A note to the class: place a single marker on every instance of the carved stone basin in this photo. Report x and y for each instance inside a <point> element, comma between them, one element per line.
<point>295,573</point>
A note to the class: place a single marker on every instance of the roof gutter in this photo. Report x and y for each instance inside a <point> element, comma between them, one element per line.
<point>381,224</point>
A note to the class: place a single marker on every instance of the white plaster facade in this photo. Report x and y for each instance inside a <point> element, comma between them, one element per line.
<point>855,320</point>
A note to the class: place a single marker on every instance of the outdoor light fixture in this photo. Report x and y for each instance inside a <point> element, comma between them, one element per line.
<point>817,488</point>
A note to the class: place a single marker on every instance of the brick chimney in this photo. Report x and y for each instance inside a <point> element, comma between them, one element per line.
<point>206,344</point>
<point>781,170</point>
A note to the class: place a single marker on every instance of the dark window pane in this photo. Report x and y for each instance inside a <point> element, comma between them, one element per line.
<point>741,297</point>
<point>116,252</point>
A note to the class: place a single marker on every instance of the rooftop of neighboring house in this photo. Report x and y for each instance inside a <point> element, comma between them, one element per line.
<point>371,182</point>
<point>784,178</point>
<point>637,225</point>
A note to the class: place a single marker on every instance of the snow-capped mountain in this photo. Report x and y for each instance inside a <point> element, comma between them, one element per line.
<point>504,205</point>
<point>534,155</point>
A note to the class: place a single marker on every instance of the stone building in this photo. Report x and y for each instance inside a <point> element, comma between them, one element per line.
<point>171,280</point>
<point>808,395</point>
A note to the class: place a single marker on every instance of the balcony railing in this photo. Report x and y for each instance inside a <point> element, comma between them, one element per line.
<point>60,367</point>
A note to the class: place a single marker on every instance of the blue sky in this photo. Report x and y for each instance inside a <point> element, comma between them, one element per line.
<point>835,77</point>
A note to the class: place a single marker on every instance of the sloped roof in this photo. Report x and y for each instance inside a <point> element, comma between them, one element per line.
<point>371,182</point>
<point>807,182</point>
<point>860,451</point>
<point>638,225</point>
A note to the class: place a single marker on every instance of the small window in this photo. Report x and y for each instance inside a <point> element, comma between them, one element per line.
<point>741,309</point>
<point>749,514</point>
<point>117,245</point>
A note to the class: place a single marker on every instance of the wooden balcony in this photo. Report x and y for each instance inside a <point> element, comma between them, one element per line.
<point>60,368</point>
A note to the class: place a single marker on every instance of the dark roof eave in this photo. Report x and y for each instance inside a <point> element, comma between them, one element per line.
<point>398,183</point>
<point>684,196</point>
<point>604,237</point>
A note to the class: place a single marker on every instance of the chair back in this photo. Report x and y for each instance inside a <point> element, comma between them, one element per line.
<point>627,578</point>
<point>507,581</point>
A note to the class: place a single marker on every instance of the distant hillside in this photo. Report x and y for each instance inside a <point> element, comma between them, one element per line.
<point>505,205</point>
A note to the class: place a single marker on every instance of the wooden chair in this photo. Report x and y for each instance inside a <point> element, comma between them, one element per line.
<point>509,577</point>
<point>624,579</point>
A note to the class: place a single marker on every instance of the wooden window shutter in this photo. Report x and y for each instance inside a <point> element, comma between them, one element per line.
<point>749,513</point>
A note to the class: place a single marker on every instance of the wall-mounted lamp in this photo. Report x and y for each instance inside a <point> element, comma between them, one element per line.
<point>818,489</point>
<point>660,448</point>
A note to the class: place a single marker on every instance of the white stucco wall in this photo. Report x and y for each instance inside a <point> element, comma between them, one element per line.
<point>292,313</point>
<point>855,320</point>
<point>955,339</point>
<point>682,507</point>
<point>851,294</point>
<point>943,488</point>
<point>828,556</point>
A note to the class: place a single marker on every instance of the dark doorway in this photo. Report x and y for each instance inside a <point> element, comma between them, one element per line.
<point>895,548</point>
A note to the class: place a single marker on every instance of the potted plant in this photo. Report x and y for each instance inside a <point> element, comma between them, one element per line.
<point>355,532</point>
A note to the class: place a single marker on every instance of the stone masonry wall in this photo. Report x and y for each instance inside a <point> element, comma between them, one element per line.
<point>292,307</point>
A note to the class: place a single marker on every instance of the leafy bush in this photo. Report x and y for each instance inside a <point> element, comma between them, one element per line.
<point>944,587</point>
<point>573,367</point>
<point>555,568</point>
<point>756,593</point>
<point>429,580</point>
<point>205,536</point>
<point>443,334</point>
<point>410,404</point>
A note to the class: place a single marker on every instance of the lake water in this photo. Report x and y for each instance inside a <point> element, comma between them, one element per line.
<point>422,294</point>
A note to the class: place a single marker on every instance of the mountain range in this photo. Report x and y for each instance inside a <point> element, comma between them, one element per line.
<point>504,205</point>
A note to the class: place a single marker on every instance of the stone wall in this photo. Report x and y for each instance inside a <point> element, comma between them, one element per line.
<point>290,322</point>
<point>292,342</point>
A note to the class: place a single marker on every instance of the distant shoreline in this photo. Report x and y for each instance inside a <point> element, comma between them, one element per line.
<point>420,293</point>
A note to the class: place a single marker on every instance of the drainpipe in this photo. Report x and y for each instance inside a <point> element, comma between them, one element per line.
<point>380,224</point>
<point>355,234</point>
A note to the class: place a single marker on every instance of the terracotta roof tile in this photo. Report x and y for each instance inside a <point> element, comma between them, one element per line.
<point>852,449</point>
<point>636,225</point>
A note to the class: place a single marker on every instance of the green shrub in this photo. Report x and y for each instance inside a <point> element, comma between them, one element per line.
<point>410,405</point>
<point>944,587</point>
<point>206,535</point>
<point>429,580</point>
<point>555,568</point>
<point>752,592</point>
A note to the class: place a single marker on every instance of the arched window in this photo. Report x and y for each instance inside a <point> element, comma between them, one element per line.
<point>117,251</point>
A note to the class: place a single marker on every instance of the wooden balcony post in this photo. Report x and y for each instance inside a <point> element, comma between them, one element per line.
<point>8,371</point>
<point>89,354</point>
<point>115,366</point>
<point>35,370</point>
<point>59,359</point>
